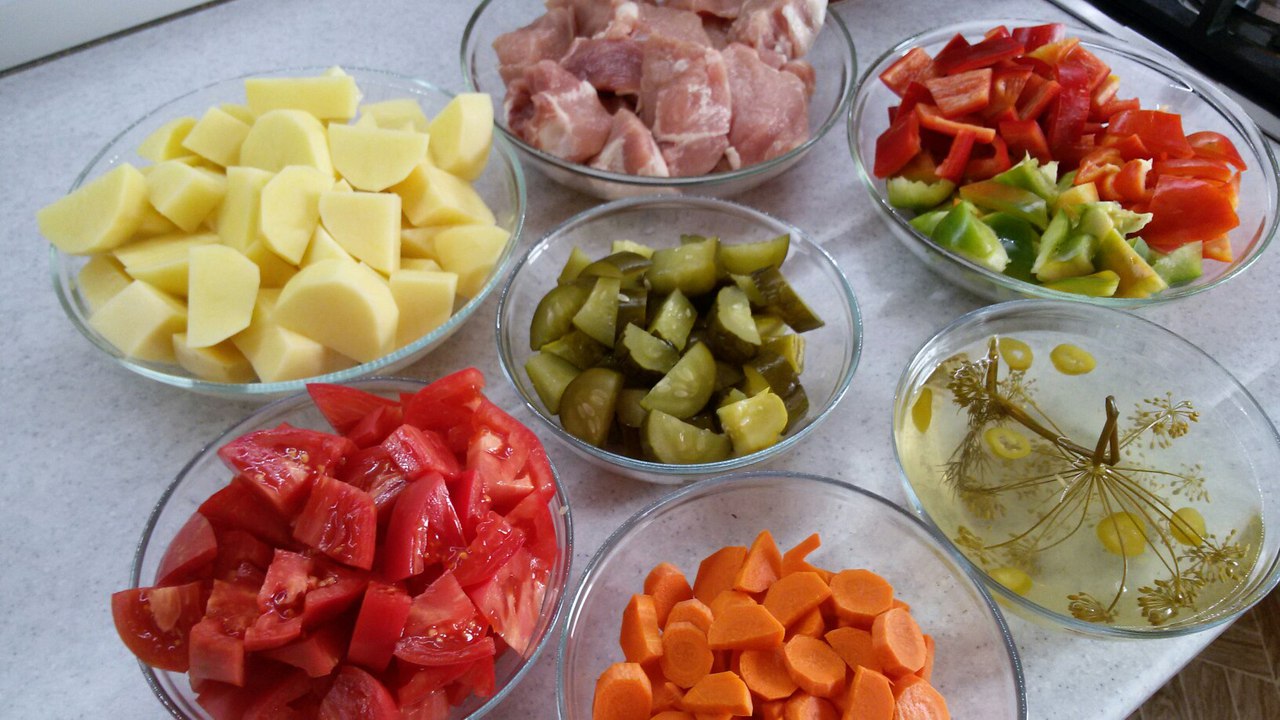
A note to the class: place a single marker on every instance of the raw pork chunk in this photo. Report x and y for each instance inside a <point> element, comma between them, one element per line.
<point>547,38</point>
<point>770,108</point>
<point>557,113</point>
<point>728,9</point>
<point>787,27</point>
<point>685,100</point>
<point>640,21</point>
<point>589,16</point>
<point>631,149</point>
<point>609,64</point>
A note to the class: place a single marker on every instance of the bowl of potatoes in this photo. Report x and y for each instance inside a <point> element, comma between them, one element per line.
<point>294,226</point>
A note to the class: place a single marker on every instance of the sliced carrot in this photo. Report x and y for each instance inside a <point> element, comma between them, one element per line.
<point>926,672</point>
<point>694,611</point>
<point>762,566</point>
<point>723,660</point>
<point>812,624</point>
<point>898,642</point>
<point>666,695</point>
<point>854,647</point>
<point>793,560</point>
<point>792,596</point>
<point>859,596</point>
<point>623,692</point>
<point>745,627</point>
<point>802,706</point>
<point>727,599</point>
<point>686,659</point>
<point>870,696</point>
<point>717,572</point>
<point>900,604</point>
<point>667,586</point>
<point>771,710</point>
<point>713,716</point>
<point>765,673</point>
<point>719,693</point>
<point>814,666</point>
<point>918,700</point>
<point>672,715</point>
<point>640,639</point>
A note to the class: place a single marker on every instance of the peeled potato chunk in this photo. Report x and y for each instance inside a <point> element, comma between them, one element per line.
<point>100,215</point>
<point>344,306</point>
<point>165,142</point>
<point>281,138</point>
<point>332,96</point>
<point>324,247</point>
<point>163,261</point>
<point>239,217</point>
<point>100,279</point>
<point>275,271</point>
<point>407,263</point>
<point>397,113</point>
<point>420,242</point>
<point>221,294</point>
<point>367,225</point>
<point>217,137</point>
<point>140,321</point>
<point>239,112</point>
<point>291,209</point>
<point>278,354</point>
<point>462,134</point>
<point>374,158</point>
<point>434,197</point>
<point>185,194</point>
<point>216,363</point>
<point>154,224</point>
<point>470,251</point>
<point>425,299</point>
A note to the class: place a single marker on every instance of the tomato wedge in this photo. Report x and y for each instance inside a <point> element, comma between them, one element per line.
<point>345,407</point>
<point>341,521</point>
<point>424,529</point>
<point>283,462</point>
<point>510,600</point>
<point>378,626</point>
<point>154,622</point>
<point>190,552</point>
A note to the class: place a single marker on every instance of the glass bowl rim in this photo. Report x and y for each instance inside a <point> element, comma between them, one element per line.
<point>263,390</point>
<point>1267,580</point>
<point>557,611</point>
<point>1178,73</point>
<point>709,486</point>
<point>507,360</point>
<point>838,112</point>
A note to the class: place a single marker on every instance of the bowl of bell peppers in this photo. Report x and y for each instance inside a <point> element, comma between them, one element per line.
<point>1025,159</point>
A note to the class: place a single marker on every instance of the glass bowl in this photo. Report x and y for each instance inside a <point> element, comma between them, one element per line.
<point>205,474</point>
<point>1170,535</point>
<point>832,56</point>
<point>501,185</point>
<point>977,667</point>
<point>1154,81</point>
<point>831,352</point>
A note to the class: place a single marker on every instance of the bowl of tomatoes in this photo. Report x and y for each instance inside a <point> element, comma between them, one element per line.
<point>1019,159</point>
<point>389,544</point>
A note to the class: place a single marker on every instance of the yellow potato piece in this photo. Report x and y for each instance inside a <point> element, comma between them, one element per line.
<point>239,112</point>
<point>165,142</point>
<point>280,138</point>
<point>277,354</point>
<point>373,158</point>
<point>184,194</point>
<point>343,186</point>
<point>140,321</point>
<point>420,242</point>
<point>344,306</point>
<point>434,197</point>
<point>154,224</point>
<point>100,279</point>
<point>425,299</point>
<point>419,264</point>
<point>275,271</point>
<point>396,114</point>
<point>324,247</point>
<point>163,261</point>
<point>462,134</point>
<point>291,209</point>
<point>217,137</point>
<point>239,216</point>
<point>367,225</point>
<point>218,363</point>
<point>470,251</point>
<point>100,215</point>
<point>327,97</point>
<point>221,294</point>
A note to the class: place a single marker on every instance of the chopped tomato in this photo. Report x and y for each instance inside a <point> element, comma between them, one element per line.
<point>280,602</point>
<point>533,517</point>
<point>418,452</point>
<point>471,501</point>
<point>217,642</point>
<point>283,462</point>
<point>495,542</point>
<point>241,507</point>
<point>278,698</point>
<point>511,598</point>
<point>242,558</point>
<point>444,627</point>
<point>357,694</point>
<point>155,622</point>
<point>316,653</point>
<point>445,403</point>
<point>378,626</point>
<point>424,529</point>
<point>373,471</point>
<point>376,426</point>
<point>345,407</point>
<point>341,521</point>
<point>190,553</point>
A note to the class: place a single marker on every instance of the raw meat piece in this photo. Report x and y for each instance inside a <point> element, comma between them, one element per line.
<point>717,30</point>
<point>640,21</point>
<point>685,100</point>
<point>804,71</point>
<point>546,38</point>
<point>557,113</point>
<point>609,64</point>
<point>719,8</point>
<point>630,149</point>
<point>589,16</point>
<point>770,109</point>
<point>787,27</point>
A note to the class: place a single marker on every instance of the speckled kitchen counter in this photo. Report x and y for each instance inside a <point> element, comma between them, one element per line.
<point>88,448</point>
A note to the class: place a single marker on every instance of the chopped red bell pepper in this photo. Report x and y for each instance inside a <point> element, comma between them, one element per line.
<point>1187,209</point>
<point>897,145</point>
<point>984,54</point>
<point>1036,97</point>
<point>1006,86</point>
<point>1131,181</point>
<point>915,66</point>
<point>954,48</point>
<point>962,93</point>
<point>1106,186</point>
<point>997,31</point>
<point>1160,131</point>
<point>1115,106</point>
<point>922,168</point>
<point>953,167</point>
<point>1103,94</point>
<point>1218,249</point>
<point>1069,156</point>
<point>932,118</point>
<point>1129,146</point>
<point>985,168</point>
<point>914,95</point>
<point>1200,167</point>
<point>1051,55</point>
<point>1064,126</point>
<point>1209,144</point>
<point>1035,36</point>
<point>1082,62</point>
<point>1024,137</point>
<point>1100,161</point>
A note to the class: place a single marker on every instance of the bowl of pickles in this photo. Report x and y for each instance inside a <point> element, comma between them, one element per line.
<point>666,339</point>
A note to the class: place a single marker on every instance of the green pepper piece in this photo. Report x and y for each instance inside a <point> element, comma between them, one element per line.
<point>550,375</point>
<point>628,246</point>
<point>630,412</point>
<point>755,423</point>
<point>1067,181</point>
<point>1030,176</point>
<point>578,349</point>
<point>687,387</point>
<point>1075,195</point>
<point>588,403</point>
<point>918,195</point>
<point>746,258</point>
<point>1182,265</point>
<point>927,222</point>
<point>645,354</point>
<point>1137,278</point>
<point>1024,204</point>
<point>1064,251</point>
<point>671,440</point>
<point>573,266</point>
<point>783,300</point>
<point>961,231</point>
<point>1099,284</point>
<point>789,346</point>
<point>1019,240</point>
<point>553,318</point>
<point>675,318</point>
<point>598,316</point>
<point>731,331</point>
<point>690,268</point>
<point>1140,246</point>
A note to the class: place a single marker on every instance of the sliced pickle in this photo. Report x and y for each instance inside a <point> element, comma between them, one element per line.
<point>690,268</point>
<point>579,349</point>
<point>687,387</point>
<point>732,396</point>
<point>588,404</point>
<point>645,354</point>
<point>746,258</point>
<point>553,318</point>
<point>797,402</point>
<point>748,286</point>
<point>550,375</point>
<point>675,318</point>
<point>626,266</point>
<point>770,326</point>
<point>731,331</point>
<point>789,346</point>
<point>628,246</point>
<point>691,238</point>
<point>776,371</point>
<point>629,411</point>
<point>632,305</point>
<point>755,423</point>
<point>671,440</point>
<point>573,266</point>
<point>783,300</point>
<point>753,383</point>
<point>727,375</point>
<point>598,317</point>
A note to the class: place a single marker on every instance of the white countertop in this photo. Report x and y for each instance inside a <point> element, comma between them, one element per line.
<point>88,447</point>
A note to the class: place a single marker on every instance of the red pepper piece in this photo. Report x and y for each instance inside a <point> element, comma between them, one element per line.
<point>1052,54</point>
<point>984,54</point>
<point>1160,131</point>
<point>1130,147</point>
<point>1209,144</point>
<point>1064,125</point>
<point>1218,249</point>
<point>915,66</point>
<point>1100,161</point>
<point>961,94</point>
<point>1103,94</point>
<point>1109,110</point>
<point>954,48</point>
<point>1200,167</point>
<point>1070,156</point>
<point>1188,209</point>
<point>1006,87</point>
<point>932,118</point>
<point>915,94</point>
<point>1086,64</point>
<point>1131,181</point>
<point>985,168</point>
<point>958,158</point>
<point>1035,36</point>
<point>998,31</point>
<point>897,145</point>
<point>1024,137</point>
<point>1036,97</point>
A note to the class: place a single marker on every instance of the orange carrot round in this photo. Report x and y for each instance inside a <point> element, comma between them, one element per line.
<point>672,715</point>
<point>761,567</point>
<point>870,696</point>
<point>814,666</point>
<point>918,700</point>
<point>717,572</point>
<point>854,647</point>
<point>807,707</point>
<point>623,692</point>
<point>812,624</point>
<point>792,596</point>
<point>765,673</point>
<point>693,611</point>
<point>667,586</point>
<point>640,639</point>
<point>686,658</point>
<point>745,627</point>
<point>860,595</point>
<point>793,560</point>
<point>721,692</point>
<point>771,710</point>
<point>666,695</point>
<point>898,642</point>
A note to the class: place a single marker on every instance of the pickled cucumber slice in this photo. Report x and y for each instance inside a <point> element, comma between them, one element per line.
<point>626,266</point>
<point>783,300</point>
<point>753,383</point>
<point>553,318</point>
<point>675,318</point>
<point>588,404</point>
<point>598,316</point>
<point>629,412</point>
<point>789,346</point>
<point>670,440</point>
<point>646,354</point>
<point>776,370</point>
<point>578,349</point>
<point>731,331</point>
<point>770,326</point>
<point>550,375</point>
<point>734,395</point>
<point>633,305</point>
<point>727,375</point>
<point>573,266</point>
<point>746,258</point>
<point>690,268</point>
<point>748,286</point>
<point>628,246</point>
<point>755,423</point>
<point>797,402</point>
<point>687,387</point>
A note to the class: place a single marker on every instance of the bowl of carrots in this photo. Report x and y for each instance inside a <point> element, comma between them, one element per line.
<point>773,595</point>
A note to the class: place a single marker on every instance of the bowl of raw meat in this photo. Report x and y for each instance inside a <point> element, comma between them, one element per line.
<point>617,98</point>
